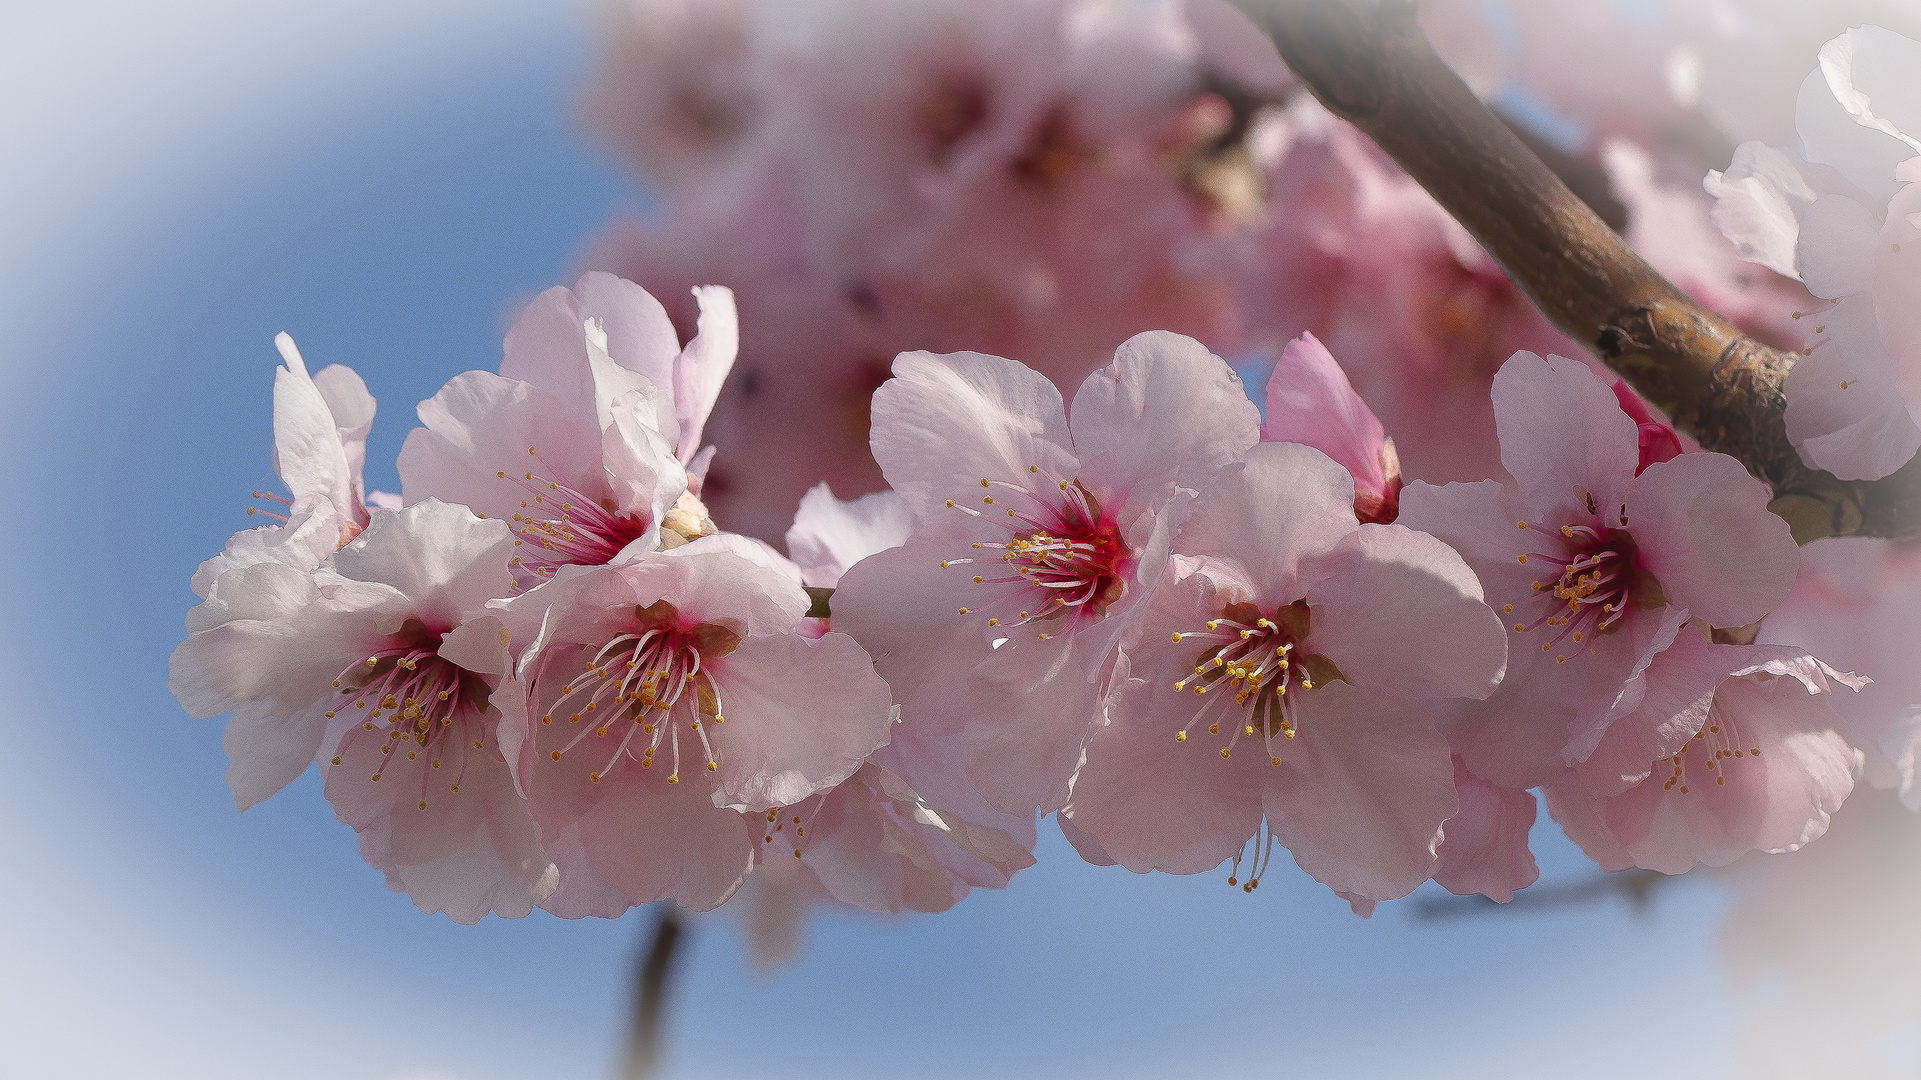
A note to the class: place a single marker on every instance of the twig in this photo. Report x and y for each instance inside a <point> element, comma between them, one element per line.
<point>650,996</point>
<point>1639,886</point>
<point>1369,63</point>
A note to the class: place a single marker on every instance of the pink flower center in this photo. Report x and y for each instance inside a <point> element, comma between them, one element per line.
<point>560,526</point>
<point>1596,578</point>
<point>1244,668</point>
<point>1062,559</point>
<point>416,702</point>
<point>637,690</point>
<point>1717,742</point>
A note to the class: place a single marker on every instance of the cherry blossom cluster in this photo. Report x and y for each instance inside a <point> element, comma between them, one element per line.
<point>1044,179</point>
<point>564,667</point>
<point>541,675</point>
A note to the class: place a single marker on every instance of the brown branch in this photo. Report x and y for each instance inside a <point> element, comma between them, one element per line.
<point>1369,63</point>
<point>650,995</point>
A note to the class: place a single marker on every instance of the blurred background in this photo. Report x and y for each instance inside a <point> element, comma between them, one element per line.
<point>387,181</point>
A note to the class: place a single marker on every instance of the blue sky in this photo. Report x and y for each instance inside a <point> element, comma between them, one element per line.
<point>384,182</point>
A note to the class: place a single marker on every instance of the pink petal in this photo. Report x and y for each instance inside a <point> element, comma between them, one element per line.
<point>1285,503</point>
<point>447,561</point>
<point>1703,528</point>
<point>659,841</point>
<point>800,716</point>
<point>1310,401</point>
<point>1399,610</point>
<point>1360,795</point>
<point>829,535</point>
<point>1562,429</point>
<point>943,423</point>
<point>1154,804</point>
<point>703,365</point>
<point>1165,410</point>
<point>307,451</point>
<point>1485,850</point>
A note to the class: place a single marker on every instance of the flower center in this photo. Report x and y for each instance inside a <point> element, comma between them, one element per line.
<point>415,702</point>
<point>1249,662</point>
<point>1062,559</point>
<point>1596,581</point>
<point>637,690</point>
<point>558,525</point>
<point>1717,741</point>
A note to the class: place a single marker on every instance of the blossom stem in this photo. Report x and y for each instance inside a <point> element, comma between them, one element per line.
<point>1369,63</point>
<point>650,995</point>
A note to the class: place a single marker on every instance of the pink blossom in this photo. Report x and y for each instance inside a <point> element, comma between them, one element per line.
<point>583,438</point>
<point>385,664</point>
<point>1039,180</point>
<point>1277,690</point>
<point>999,618</point>
<point>1598,569</point>
<point>675,89</point>
<point>1859,600</point>
<point>1758,767</point>
<point>1310,401</point>
<point>687,661</point>
<point>320,443</point>
<point>1420,315</point>
<point>1845,217</point>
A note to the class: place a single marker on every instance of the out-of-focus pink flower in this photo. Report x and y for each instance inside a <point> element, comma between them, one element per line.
<point>1420,315</point>
<point>583,439</point>
<point>1844,216</point>
<point>1685,72</point>
<point>999,619</point>
<point>1858,600</point>
<point>320,427</point>
<point>674,692</point>
<point>674,88</point>
<point>1309,401</point>
<point>1278,685</point>
<point>1757,766</point>
<point>1039,180</point>
<point>385,663</point>
<point>1599,570</point>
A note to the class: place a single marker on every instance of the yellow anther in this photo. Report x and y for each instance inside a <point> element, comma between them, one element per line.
<point>1273,761</point>
<point>336,759</point>
<point>1223,753</point>
<point>555,755</point>
<point>712,767</point>
<point>1523,559</point>
<point>1179,736</point>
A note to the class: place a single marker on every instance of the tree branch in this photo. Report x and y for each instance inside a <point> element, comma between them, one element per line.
<point>1369,63</point>
<point>650,995</point>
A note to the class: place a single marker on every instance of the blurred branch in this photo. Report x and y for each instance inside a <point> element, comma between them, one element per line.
<point>1639,886</point>
<point>650,995</point>
<point>1369,63</point>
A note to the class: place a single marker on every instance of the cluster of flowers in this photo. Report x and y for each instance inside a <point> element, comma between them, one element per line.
<point>1044,179</point>
<point>543,676</point>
